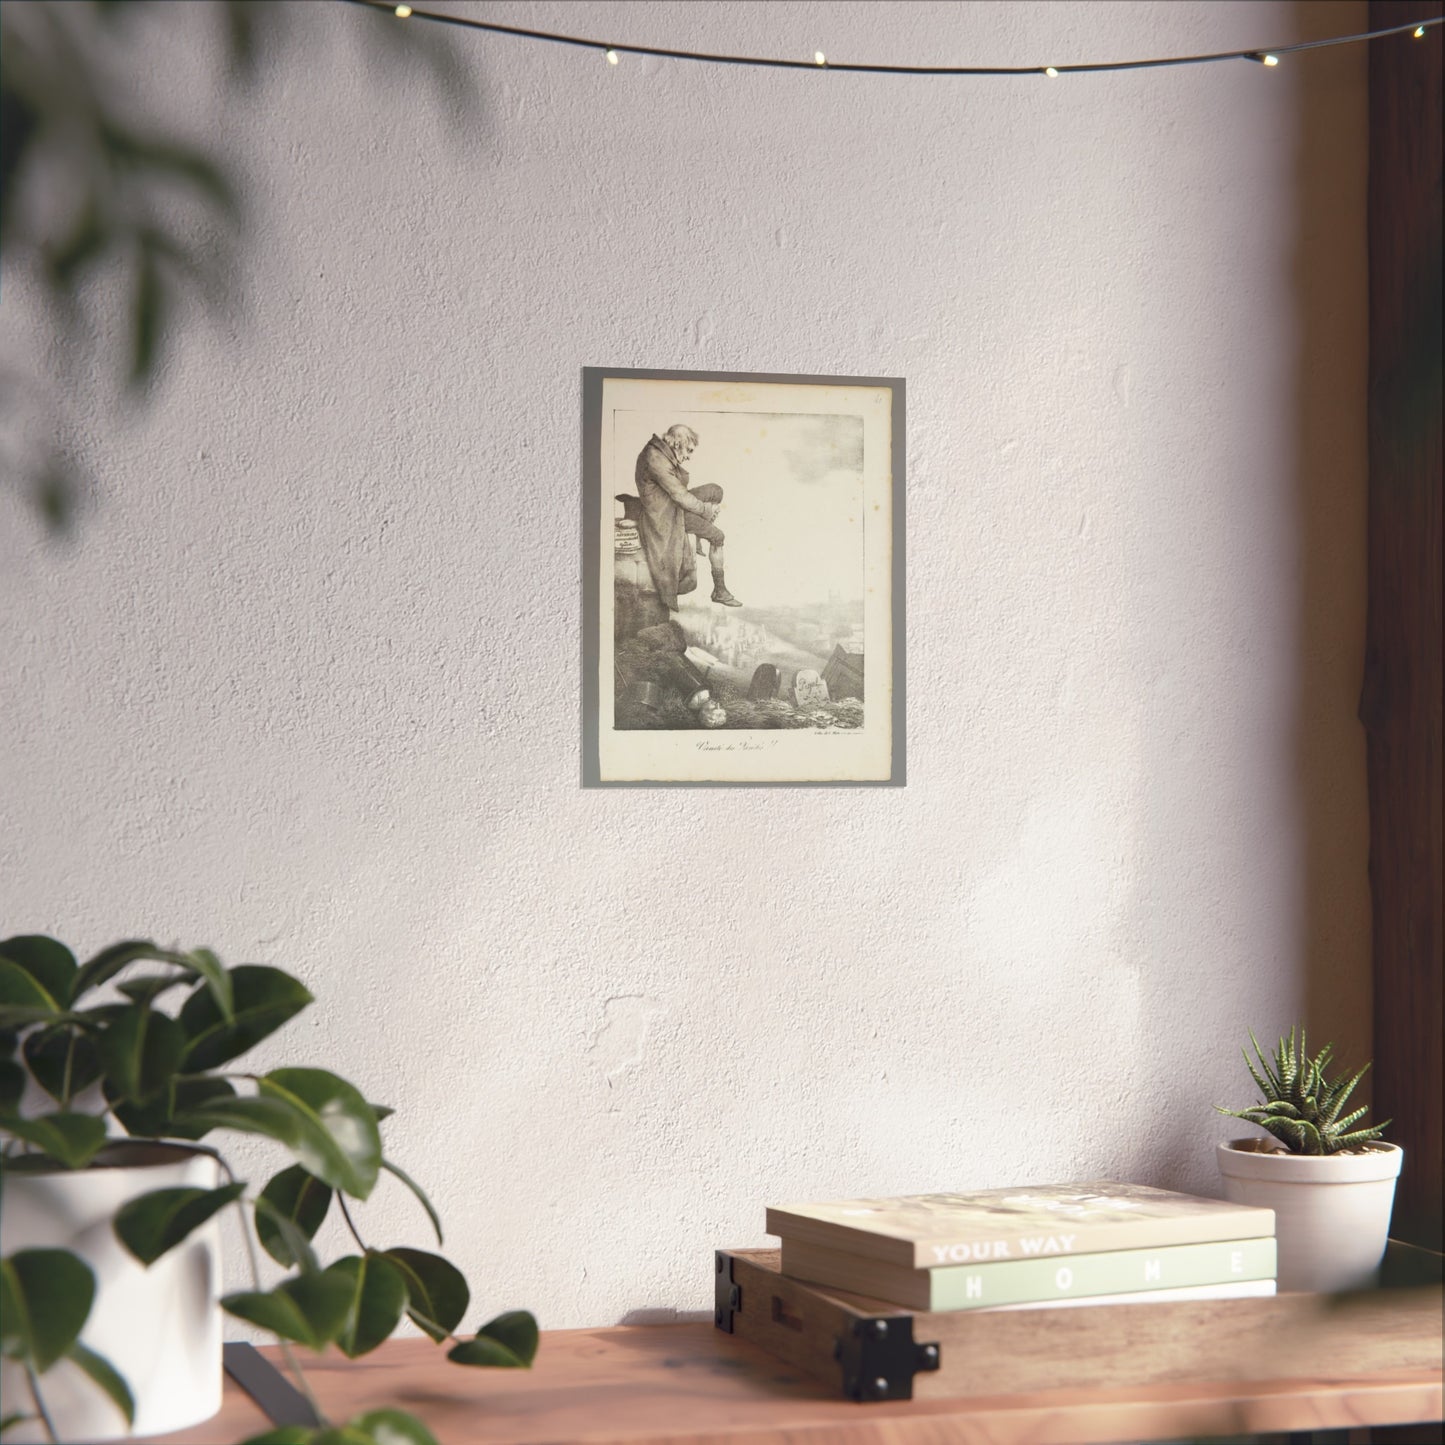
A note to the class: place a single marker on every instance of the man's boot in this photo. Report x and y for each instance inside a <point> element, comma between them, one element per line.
<point>720,592</point>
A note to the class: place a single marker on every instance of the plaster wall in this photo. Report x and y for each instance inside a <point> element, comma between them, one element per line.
<point>303,683</point>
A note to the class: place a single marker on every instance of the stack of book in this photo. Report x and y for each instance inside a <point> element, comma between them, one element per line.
<point>1031,1247</point>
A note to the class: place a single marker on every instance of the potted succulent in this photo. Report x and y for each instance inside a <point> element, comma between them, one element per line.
<point>1331,1185</point>
<point>113,1086</point>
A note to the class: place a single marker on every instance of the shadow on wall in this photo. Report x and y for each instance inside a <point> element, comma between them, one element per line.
<point>91,187</point>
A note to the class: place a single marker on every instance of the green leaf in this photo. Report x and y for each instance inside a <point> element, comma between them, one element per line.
<point>73,1139</point>
<point>14,1323</point>
<point>151,1224</point>
<point>45,1299</point>
<point>295,1243</point>
<point>104,1374</point>
<point>109,962</point>
<point>340,1143</point>
<point>437,1293</point>
<point>10,1421</point>
<point>23,999</point>
<point>416,1189</point>
<point>162,1117</point>
<point>382,1111</point>
<point>63,1060</point>
<point>264,998</point>
<point>507,1342</point>
<point>310,1310</point>
<point>329,1139</point>
<point>141,1051</point>
<point>378,1296</point>
<point>50,964</point>
<point>12,1086</point>
<point>1360,1136</point>
<point>298,1197</point>
<point>142,1121</point>
<point>392,1427</point>
<point>148,989</point>
<point>96,1019</point>
<point>184,1095</point>
<point>210,968</point>
<point>269,1117</point>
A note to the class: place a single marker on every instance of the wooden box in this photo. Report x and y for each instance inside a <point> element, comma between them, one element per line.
<point>871,1350</point>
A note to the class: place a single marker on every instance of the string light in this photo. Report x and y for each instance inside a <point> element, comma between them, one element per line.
<point>1260,56</point>
<point>612,57</point>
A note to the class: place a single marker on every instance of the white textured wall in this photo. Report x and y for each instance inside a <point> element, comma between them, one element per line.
<point>305,685</point>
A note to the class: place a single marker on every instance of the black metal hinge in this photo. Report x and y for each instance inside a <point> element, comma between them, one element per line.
<point>727,1296</point>
<point>280,1401</point>
<point>880,1358</point>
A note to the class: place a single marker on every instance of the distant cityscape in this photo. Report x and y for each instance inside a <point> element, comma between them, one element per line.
<point>799,636</point>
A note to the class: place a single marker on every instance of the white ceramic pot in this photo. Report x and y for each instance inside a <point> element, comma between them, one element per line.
<point>160,1327</point>
<point>1331,1211</point>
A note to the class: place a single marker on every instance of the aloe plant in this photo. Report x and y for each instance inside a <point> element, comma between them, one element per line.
<point>1302,1108</point>
<point>171,1075</point>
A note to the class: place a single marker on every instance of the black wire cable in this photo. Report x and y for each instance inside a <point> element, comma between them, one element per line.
<point>1259,54</point>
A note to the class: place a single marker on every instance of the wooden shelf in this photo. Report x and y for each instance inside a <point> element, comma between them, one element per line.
<point>694,1385</point>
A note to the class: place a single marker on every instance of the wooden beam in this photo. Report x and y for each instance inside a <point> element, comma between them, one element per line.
<point>1400,702</point>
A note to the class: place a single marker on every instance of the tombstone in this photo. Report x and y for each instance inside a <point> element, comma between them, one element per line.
<point>809,689</point>
<point>844,672</point>
<point>764,686</point>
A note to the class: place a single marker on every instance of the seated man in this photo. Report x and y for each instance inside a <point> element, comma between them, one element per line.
<point>670,512</point>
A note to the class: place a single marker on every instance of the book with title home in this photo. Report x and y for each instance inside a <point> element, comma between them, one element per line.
<point>1122,1274</point>
<point>927,1231</point>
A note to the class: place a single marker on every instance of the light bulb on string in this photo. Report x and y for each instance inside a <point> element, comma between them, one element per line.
<point>1260,57</point>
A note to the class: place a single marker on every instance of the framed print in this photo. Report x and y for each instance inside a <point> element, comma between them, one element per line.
<point>742,579</point>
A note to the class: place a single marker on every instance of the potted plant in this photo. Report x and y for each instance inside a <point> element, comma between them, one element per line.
<point>110,1191</point>
<point>1331,1185</point>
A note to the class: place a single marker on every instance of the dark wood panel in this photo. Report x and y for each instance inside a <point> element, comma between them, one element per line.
<point>1401,699</point>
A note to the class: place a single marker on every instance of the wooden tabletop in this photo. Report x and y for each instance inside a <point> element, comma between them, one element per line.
<point>694,1385</point>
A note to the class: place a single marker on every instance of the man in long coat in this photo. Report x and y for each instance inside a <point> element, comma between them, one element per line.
<point>671,513</point>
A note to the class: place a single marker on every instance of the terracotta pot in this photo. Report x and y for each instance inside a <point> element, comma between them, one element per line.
<point>160,1327</point>
<point>1331,1211</point>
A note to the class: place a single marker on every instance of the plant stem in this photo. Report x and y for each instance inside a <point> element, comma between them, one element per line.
<point>39,1403</point>
<point>346,1215</point>
<point>69,1072</point>
<point>291,1361</point>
